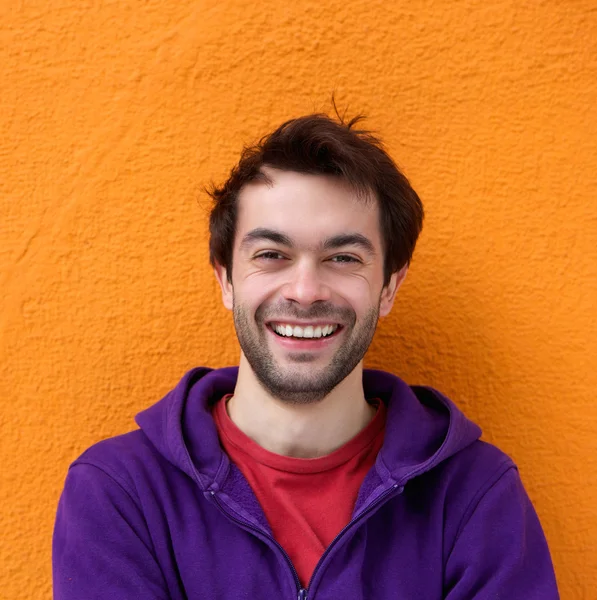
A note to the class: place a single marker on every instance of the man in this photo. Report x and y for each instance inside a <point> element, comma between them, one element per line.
<point>299,474</point>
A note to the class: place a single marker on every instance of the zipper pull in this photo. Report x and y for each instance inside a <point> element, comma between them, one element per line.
<point>302,594</point>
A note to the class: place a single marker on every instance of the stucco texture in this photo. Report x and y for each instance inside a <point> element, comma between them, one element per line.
<point>115,114</point>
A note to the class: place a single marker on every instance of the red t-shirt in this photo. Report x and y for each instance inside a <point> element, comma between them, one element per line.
<point>307,502</point>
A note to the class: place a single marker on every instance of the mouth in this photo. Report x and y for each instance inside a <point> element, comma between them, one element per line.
<point>306,331</point>
<point>304,336</point>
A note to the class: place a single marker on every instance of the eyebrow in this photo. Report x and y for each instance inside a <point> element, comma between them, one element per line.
<point>350,239</point>
<point>262,233</point>
<point>336,241</point>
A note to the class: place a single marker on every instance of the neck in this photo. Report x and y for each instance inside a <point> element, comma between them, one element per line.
<point>299,430</point>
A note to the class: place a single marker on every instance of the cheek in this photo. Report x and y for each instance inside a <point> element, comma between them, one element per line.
<point>253,292</point>
<point>359,293</point>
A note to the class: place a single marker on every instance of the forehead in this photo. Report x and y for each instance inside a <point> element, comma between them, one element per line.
<point>306,207</point>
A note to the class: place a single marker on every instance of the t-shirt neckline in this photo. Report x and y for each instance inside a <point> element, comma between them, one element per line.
<point>291,464</point>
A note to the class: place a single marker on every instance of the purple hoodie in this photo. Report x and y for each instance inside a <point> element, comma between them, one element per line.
<point>161,513</point>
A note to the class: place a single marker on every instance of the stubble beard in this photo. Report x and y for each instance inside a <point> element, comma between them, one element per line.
<point>301,386</point>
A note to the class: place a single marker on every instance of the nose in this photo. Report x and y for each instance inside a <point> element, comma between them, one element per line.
<point>306,285</point>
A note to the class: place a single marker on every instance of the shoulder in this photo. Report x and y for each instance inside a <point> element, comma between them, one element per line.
<point>466,480</point>
<point>470,474</point>
<point>479,462</point>
<point>467,473</point>
<point>123,458</point>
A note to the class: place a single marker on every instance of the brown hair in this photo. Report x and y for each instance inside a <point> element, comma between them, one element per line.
<point>317,144</point>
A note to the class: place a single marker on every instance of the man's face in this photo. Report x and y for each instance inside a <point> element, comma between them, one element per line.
<point>307,282</point>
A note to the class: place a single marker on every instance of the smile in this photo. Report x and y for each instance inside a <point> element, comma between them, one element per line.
<point>306,331</point>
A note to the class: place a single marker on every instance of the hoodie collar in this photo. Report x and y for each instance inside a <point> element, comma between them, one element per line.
<point>423,427</point>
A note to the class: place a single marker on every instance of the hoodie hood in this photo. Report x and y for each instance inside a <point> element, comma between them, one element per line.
<point>423,427</point>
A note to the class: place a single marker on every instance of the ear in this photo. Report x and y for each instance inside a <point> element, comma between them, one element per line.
<point>222,277</point>
<point>388,293</point>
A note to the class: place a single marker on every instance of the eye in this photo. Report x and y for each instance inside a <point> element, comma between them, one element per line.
<point>269,255</point>
<point>344,259</point>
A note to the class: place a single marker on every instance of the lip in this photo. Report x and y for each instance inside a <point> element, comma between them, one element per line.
<point>291,343</point>
<point>301,323</point>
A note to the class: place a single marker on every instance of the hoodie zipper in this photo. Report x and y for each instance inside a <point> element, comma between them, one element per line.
<point>396,489</point>
<point>302,593</point>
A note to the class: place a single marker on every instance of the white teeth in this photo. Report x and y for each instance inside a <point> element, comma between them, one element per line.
<point>304,332</point>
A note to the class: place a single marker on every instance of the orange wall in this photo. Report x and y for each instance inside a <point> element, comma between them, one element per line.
<point>114,114</point>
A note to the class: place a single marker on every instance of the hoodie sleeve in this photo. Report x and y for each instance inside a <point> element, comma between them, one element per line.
<point>501,551</point>
<point>101,546</point>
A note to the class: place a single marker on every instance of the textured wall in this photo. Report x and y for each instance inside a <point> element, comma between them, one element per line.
<point>114,114</point>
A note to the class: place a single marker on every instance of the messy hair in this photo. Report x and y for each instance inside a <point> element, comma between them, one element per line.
<point>318,144</point>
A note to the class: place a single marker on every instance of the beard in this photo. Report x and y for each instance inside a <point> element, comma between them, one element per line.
<point>300,384</point>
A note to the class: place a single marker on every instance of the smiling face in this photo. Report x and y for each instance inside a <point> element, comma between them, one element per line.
<point>307,282</point>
